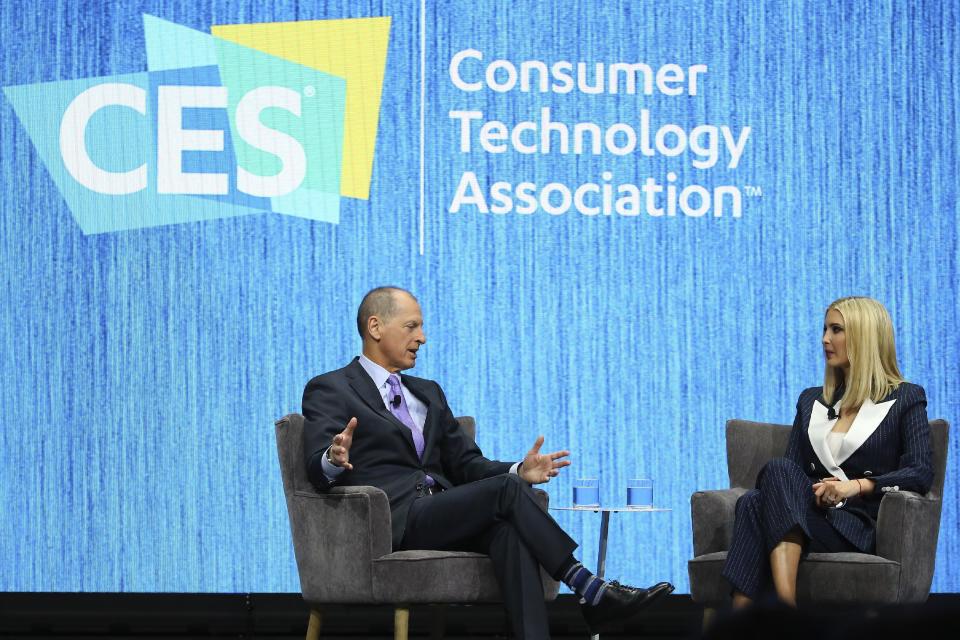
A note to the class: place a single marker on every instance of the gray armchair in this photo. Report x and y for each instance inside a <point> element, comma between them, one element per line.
<point>907,528</point>
<point>342,543</point>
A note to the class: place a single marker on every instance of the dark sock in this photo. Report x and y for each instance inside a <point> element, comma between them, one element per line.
<point>585,584</point>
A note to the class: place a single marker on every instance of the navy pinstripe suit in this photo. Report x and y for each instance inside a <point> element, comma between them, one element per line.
<point>888,442</point>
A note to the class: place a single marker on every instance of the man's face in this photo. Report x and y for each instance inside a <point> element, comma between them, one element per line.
<point>398,337</point>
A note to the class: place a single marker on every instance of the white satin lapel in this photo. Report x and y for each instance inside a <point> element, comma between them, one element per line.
<point>820,425</point>
<point>868,419</point>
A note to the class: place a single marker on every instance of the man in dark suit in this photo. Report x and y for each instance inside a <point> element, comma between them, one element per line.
<point>368,425</point>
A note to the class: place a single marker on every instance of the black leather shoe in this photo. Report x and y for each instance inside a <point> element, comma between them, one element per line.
<point>620,602</point>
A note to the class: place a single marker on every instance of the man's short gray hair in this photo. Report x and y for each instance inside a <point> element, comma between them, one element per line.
<point>378,302</point>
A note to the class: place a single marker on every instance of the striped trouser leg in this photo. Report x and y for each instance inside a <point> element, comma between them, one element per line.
<point>786,495</point>
<point>747,565</point>
<point>763,517</point>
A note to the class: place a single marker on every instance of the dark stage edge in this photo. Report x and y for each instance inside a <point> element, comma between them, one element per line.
<point>282,616</point>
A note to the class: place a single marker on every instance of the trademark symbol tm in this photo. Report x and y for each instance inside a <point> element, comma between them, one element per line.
<point>753,191</point>
<point>309,91</point>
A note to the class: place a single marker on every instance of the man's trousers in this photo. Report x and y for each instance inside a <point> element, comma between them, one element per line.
<point>500,517</point>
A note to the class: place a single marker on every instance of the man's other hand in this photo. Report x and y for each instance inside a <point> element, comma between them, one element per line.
<point>540,467</point>
<point>339,453</point>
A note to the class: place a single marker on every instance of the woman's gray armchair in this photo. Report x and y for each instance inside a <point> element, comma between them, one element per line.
<point>907,530</point>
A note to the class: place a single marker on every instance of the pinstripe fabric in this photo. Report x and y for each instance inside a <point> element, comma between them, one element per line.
<point>896,456</point>
<point>747,564</point>
<point>782,500</point>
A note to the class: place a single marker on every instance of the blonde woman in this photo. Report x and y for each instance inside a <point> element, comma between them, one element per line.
<point>860,435</point>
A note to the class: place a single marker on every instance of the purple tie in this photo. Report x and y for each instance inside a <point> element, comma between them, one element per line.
<point>403,414</point>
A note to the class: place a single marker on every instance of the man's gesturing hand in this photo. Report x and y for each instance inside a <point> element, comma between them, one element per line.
<point>540,467</point>
<point>339,453</point>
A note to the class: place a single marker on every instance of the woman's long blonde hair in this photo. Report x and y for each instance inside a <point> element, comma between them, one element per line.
<point>871,350</point>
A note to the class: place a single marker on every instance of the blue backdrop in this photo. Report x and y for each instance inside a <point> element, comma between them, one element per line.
<point>143,369</point>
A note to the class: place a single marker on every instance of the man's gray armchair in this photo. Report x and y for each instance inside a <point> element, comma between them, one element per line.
<point>342,543</point>
<point>907,530</point>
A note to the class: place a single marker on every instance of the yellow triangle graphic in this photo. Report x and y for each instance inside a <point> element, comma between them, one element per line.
<point>354,49</point>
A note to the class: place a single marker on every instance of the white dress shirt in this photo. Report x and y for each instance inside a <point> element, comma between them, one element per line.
<point>379,375</point>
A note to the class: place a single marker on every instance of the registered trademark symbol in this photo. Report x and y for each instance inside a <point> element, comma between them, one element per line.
<point>309,91</point>
<point>753,191</point>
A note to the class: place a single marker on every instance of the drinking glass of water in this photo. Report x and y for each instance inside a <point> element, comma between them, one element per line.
<point>640,493</point>
<point>586,492</point>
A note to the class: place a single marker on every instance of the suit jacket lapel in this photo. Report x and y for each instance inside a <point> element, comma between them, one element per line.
<point>868,419</point>
<point>368,392</point>
<point>817,430</point>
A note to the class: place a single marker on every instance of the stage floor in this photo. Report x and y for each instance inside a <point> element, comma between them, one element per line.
<point>284,616</point>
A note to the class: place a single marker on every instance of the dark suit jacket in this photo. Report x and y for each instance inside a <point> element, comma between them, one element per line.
<point>383,453</point>
<point>888,442</point>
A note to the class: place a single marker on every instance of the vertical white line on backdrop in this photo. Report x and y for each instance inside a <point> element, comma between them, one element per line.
<point>423,99</point>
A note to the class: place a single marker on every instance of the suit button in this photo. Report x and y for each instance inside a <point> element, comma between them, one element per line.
<point>813,467</point>
<point>867,474</point>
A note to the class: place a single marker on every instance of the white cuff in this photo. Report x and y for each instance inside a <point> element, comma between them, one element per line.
<point>332,471</point>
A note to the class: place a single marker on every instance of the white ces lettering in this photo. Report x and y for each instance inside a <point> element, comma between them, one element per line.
<point>173,140</point>
<point>286,148</point>
<point>73,129</point>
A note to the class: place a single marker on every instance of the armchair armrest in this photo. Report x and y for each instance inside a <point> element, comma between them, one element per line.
<point>907,528</point>
<point>336,535</point>
<point>712,513</point>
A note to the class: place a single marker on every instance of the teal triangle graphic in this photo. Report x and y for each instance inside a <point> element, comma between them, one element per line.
<point>172,46</point>
<point>307,119</point>
<point>318,130</point>
<point>116,139</point>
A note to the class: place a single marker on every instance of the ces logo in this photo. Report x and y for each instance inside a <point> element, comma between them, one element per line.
<point>220,125</point>
<point>173,140</point>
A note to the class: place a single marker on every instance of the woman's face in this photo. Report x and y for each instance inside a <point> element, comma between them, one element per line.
<point>835,340</point>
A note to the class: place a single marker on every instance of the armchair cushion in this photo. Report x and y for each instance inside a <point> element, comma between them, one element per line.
<point>434,576</point>
<point>841,578</point>
<point>847,578</point>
